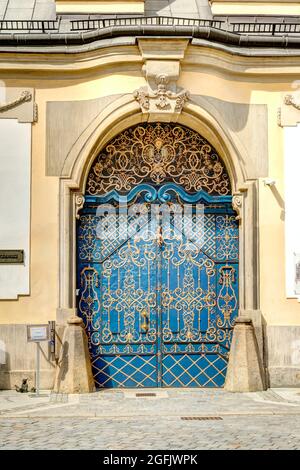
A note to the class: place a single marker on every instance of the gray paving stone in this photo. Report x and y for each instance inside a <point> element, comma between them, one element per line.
<point>250,421</point>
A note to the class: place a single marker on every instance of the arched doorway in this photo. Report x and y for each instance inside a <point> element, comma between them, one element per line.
<point>157,260</point>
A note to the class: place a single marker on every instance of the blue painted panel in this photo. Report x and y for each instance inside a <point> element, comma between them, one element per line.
<point>125,371</point>
<point>194,370</point>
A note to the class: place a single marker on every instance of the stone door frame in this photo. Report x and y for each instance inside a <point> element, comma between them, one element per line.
<point>119,115</point>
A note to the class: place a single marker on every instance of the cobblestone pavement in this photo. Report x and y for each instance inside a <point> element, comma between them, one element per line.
<point>118,420</point>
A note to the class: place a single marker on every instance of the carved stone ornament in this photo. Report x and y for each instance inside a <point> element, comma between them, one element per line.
<point>290,100</point>
<point>79,203</point>
<point>24,97</point>
<point>161,99</point>
<point>288,114</point>
<point>279,117</point>
<point>237,204</point>
<point>35,112</point>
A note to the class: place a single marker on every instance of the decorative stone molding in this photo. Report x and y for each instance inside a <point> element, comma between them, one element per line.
<point>19,104</point>
<point>162,99</point>
<point>288,113</point>
<point>237,204</point>
<point>35,112</point>
<point>164,49</point>
<point>279,117</point>
<point>79,202</point>
<point>291,100</point>
<point>25,96</point>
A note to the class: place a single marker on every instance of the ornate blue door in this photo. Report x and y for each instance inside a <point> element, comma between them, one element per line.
<point>118,299</point>
<point>198,294</point>
<point>159,292</point>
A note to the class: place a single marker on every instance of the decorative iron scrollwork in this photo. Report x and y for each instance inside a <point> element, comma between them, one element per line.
<point>158,153</point>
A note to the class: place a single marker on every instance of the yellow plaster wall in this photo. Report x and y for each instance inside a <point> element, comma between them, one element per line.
<point>276,308</point>
<point>41,305</point>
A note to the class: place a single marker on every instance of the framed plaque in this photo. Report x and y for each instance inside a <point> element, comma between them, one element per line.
<point>11,256</point>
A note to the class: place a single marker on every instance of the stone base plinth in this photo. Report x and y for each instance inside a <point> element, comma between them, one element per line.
<point>244,372</point>
<point>74,372</point>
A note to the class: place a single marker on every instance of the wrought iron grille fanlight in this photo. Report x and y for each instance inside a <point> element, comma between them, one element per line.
<point>158,153</point>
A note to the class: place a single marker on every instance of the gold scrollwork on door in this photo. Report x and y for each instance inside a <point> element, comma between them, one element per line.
<point>128,302</point>
<point>158,153</point>
<point>227,300</point>
<point>89,303</point>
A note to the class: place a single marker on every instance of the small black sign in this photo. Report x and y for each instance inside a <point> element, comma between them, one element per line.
<point>11,256</point>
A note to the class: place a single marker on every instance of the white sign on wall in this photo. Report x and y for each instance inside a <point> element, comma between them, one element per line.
<point>292,219</point>
<point>15,161</point>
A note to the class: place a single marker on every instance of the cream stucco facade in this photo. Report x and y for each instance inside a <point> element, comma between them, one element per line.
<point>133,6</point>
<point>246,7</point>
<point>84,96</point>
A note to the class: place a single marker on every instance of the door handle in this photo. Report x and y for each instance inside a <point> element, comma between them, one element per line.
<point>160,239</point>
<point>145,321</point>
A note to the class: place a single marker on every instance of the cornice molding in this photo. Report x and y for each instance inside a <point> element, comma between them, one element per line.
<point>86,39</point>
<point>114,55</point>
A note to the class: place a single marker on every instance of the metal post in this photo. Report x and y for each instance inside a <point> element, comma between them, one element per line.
<point>52,339</point>
<point>37,379</point>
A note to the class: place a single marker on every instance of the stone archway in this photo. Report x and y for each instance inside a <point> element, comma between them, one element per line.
<point>109,124</point>
<point>158,292</point>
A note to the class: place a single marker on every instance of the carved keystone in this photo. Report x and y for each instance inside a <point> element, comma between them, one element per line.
<point>244,372</point>
<point>161,99</point>
<point>74,371</point>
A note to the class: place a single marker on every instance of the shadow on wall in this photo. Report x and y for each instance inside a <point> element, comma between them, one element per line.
<point>63,363</point>
<point>280,201</point>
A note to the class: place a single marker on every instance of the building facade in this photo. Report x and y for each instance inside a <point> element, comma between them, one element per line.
<point>166,104</point>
